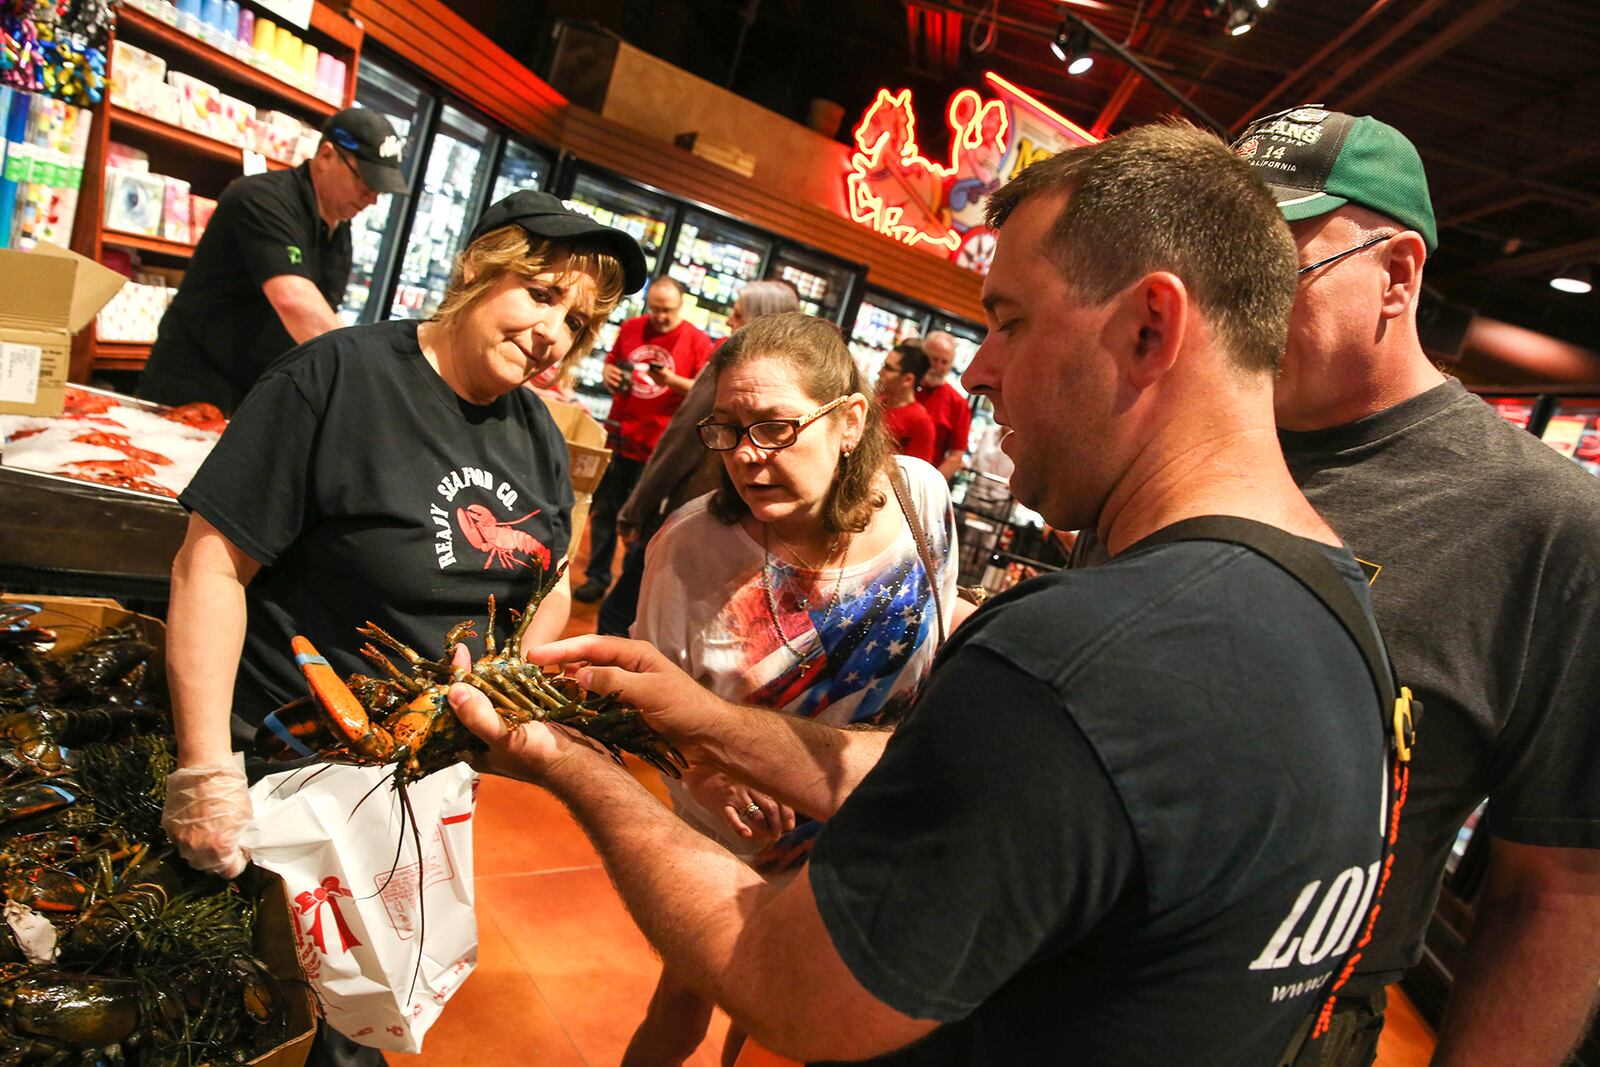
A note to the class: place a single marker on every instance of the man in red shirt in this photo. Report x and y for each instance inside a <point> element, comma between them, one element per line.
<point>952,417</point>
<point>654,361</point>
<point>909,422</point>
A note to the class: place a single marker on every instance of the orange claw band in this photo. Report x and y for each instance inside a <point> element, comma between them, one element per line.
<point>329,691</point>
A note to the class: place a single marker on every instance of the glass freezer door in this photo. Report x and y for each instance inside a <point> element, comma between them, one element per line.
<point>881,323</point>
<point>824,284</point>
<point>453,179</point>
<point>521,167</point>
<point>644,215</point>
<point>405,104</point>
<point>713,259</point>
<point>1574,430</point>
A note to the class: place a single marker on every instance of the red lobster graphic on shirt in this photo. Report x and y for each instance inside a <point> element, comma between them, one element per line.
<point>500,539</point>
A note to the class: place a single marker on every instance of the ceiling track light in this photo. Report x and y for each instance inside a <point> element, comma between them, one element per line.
<point>1241,19</point>
<point>1062,43</point>
<point>1080,58</point>
<point>1576,279</point>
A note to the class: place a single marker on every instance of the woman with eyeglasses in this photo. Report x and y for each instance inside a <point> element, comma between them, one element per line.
<point>797,585</point>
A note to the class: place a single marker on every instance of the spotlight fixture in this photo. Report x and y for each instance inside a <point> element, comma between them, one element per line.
<point>1577,279</point>
<point>1062,44</point>
<point>1078,49</point>
<point>1262,4</point>
<point>1241,20</point>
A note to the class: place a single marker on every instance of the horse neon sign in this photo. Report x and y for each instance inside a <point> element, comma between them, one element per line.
<point>895,189</point>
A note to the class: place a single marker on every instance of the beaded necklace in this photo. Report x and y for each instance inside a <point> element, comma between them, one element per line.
<point>772,599</point>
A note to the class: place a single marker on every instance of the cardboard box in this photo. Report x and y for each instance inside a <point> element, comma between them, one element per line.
<point>49,295</point>
<point>75,620</point>
<point>587,459</point>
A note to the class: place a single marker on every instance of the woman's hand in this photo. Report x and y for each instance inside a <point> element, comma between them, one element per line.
<point>747,812</point>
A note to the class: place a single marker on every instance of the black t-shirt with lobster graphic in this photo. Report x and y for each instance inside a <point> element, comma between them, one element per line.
<point>367,489</point>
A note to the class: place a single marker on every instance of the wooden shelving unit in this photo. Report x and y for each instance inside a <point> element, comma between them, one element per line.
<point>206,163</point>
<point>156,36</point>
<point>120,355</point>
<point>144,243</point>
<point>122,118</point>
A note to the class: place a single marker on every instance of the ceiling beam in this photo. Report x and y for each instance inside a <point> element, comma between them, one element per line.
<point>1558,193</point>
<point>1459,29</point>
<point>1316,59</point>
<point>1534,262</point>
<point>1152,44</point>
<point>1366,55</point>
<point>1456,217</point>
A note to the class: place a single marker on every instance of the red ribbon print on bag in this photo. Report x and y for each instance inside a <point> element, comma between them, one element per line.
<point>313,899</point>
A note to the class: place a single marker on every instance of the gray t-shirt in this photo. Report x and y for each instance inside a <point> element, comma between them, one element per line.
<point>1485,546</point>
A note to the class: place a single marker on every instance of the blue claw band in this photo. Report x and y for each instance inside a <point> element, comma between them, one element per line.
<point>302,659</point>
<point>62,793</point>
<point>290,741</point>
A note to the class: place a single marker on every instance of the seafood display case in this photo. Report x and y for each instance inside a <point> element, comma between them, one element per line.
<point>1572,428</point>
<point>90,495</point>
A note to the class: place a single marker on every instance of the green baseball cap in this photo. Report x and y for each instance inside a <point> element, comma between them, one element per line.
<point>1316,161</point>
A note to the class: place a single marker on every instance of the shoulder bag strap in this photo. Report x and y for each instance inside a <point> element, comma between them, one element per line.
<point>1312,568</point>
<point>902,493</point>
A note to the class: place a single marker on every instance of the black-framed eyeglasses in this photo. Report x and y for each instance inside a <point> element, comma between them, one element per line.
<point>350,162</point>
<point>770,434</point>
<point>1363,246</point>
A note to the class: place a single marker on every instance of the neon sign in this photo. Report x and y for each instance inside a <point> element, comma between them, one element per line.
<point>893,188</point>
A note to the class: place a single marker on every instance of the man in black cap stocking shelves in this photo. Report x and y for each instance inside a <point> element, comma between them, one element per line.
<point>272,265</point>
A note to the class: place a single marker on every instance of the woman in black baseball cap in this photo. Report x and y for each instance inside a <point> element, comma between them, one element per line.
<point>395,472</point>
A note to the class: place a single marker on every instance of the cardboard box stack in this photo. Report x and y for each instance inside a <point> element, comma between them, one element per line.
<point>50,294</point>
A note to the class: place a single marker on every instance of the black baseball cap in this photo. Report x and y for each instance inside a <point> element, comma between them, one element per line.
<point>547,216</point>
<point>1316,161</point>
<point>372,143</point>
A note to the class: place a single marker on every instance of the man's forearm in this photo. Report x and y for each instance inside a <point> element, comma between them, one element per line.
<point>812,767</point>
<point>1526,988</point>
<point>307,320</point>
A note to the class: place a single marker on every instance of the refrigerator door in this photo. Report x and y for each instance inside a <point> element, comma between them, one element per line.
<point>713,259</point>
<point>882,322</point>
<point>824,283</point>
<point>1574,430</point>
<point>521,167</point>
<point>452,185</point>
<point>647,216</point>
<point>374,232</point>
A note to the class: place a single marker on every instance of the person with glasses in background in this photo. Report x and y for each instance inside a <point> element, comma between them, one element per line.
<point>1481,546</point>
<point>271,266</point>
<point>797,585</point>
<point>909,423</point>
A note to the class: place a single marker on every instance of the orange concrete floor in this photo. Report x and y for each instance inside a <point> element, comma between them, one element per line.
<point>564,974</point>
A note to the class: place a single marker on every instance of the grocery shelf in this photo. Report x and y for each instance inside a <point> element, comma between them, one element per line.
<point>171,39</point>
<point>120,355</point>
<point>166,131</point>
<point>143,243</point>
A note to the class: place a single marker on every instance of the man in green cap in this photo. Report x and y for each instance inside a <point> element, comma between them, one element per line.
<point>1483,551</point>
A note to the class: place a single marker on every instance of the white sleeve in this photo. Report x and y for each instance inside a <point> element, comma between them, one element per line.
<point>664,604</point>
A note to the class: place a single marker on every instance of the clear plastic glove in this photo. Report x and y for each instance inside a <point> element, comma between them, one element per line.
<point>207,808</point>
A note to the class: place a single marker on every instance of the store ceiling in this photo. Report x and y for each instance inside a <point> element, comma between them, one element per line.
<point>1502,97</point>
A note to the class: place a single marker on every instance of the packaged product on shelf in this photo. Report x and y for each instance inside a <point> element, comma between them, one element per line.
<point>280,134</point>
<point>130,64</point>
<point>235,120</point>
<point>46,142</point>
<point>306,146</point>
<point>134,201</point>
<point>201,208</point>
<point>127,157</point>
<point>176,212</point>
<point>133,314</point>
<point>200,104</point>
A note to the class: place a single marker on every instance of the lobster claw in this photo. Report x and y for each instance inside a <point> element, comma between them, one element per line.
<point>349,718</point>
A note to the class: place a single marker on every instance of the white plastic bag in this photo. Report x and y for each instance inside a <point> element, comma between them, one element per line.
<point>356,907</point>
